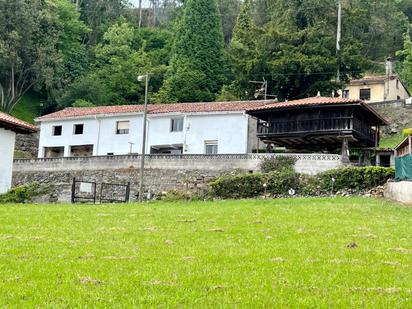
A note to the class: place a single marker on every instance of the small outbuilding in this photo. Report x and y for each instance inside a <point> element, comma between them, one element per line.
<point>403,159</point>
<point>9,126</point>
<point>319,124</point>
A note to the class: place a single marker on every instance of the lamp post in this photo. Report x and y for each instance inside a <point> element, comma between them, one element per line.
<point>146,78</point>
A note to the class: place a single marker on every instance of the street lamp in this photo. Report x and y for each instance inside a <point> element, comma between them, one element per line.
<point>141,78</point>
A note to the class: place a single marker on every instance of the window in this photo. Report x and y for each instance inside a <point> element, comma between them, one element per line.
<point>78,129</point>
<point>397,84</point>
<point>176,125</point>
<point>57,130</point>
<point>210,147</point>
<point>345,94</point>
<point>122,127</point>
<point>365,94</point>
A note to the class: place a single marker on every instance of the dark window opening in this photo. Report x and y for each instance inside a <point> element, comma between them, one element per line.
<point>345,94</point>
<point>78,129</point>
<point>81,151</point>
<point>57,130</point>
<point>365,94</point>
<point>110,153</point>
<point>53,152</point>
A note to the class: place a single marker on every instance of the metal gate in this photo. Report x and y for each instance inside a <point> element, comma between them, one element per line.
<point>114,193</point>
<point>86,192</point>
<point>83,191</point>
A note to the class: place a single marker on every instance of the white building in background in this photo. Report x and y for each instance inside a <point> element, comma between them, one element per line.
<point>183,128</point>
<point>9,126</point>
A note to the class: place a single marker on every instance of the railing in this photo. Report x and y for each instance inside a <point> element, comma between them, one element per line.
<point>364,130</point>
<point>316,125</point>
<point>296,126</point>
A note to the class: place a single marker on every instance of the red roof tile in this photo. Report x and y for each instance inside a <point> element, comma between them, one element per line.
<point>72,112</point>
<point>15,124</point>
<point>305,102</point>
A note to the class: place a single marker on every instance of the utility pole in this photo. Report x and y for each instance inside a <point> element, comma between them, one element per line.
<point>338,39</point>
<point>141,187</point>
<point>140,14</point>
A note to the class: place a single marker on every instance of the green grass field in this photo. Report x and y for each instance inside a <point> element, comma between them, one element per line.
<point>28,108</point>
<point>311,253</point>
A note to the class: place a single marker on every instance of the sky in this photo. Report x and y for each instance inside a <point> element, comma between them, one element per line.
<point>145,3</point>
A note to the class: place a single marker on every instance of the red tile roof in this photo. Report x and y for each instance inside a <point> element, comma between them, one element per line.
<point>306,102</point>
<point>370,79</point>
<point>73,112</point>
<point>17,125</point>
<point>316,101</point>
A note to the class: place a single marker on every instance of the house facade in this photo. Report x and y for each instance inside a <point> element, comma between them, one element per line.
<point>376,89</point>
<point>184,128</point>
<point>9,126</point>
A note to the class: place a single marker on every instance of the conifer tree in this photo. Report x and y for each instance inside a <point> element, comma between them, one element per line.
<point>198,66</point>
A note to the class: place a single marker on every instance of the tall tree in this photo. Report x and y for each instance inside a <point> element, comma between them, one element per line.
<point>198,66</point>
<point>33,35</point>
<point>244,56</point>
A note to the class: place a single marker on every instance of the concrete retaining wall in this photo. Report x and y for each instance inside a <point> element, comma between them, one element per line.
<point>163,172</point>
<point>399,191</point>
<point>306,163</point>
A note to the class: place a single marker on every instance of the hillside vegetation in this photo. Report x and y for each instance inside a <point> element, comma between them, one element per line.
<point>196,50</point>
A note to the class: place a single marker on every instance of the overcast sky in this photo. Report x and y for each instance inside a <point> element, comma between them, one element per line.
<point>145,3</point>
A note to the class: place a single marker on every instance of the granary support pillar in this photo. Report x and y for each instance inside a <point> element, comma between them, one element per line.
<point>345,151</point>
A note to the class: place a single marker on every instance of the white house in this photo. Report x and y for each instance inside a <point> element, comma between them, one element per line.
<point>183,128</point>
<point>9,126</point>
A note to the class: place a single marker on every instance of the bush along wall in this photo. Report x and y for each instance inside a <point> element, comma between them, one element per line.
<point>26,193</point>
<point>285,182</point>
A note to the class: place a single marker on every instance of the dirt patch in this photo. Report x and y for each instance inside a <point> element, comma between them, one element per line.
<point>278,259</point>
<point>218,229</point>
<point>352,245</point>
<point>89,280</point>
<point>402,250</point>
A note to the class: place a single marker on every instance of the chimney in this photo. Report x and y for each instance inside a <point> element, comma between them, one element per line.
<point>388,65</point>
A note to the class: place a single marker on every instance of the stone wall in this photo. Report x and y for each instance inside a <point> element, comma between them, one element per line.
<point>163,172</point>
<point>27,145</point>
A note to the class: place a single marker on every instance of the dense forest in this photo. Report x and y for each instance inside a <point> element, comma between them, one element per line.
<point>90,52</point>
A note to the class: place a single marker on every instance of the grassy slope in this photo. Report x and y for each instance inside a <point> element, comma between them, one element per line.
<point>391,141</point>
<point>281,253</point>
<point>28,108</point>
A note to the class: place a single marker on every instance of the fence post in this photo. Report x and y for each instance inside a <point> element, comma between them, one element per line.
<point>73,189</point>
<point>127,192</point>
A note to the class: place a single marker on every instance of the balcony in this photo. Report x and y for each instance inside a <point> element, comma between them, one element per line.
<point>325,126</point>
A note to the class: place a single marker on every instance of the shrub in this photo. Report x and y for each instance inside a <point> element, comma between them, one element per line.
<point>407,132</point>
<point>24,193</point>
<point>174,195</point>
<point>279,182</point>
<point>254,185</point>
<point>355,178</point>
<point>238,187</point>
<point>277,163</point>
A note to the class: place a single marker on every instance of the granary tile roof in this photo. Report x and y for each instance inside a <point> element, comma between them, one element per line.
<point>14,124</point>
<point>305,102</point>
<point>315,101</point>
<point>74,112</point>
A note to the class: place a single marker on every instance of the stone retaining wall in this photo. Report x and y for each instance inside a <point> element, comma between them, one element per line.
<point>163,172</point>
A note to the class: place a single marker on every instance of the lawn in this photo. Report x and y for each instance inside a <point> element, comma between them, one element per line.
<point>312,253</point>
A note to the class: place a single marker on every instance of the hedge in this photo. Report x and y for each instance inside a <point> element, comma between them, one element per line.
<point>24,193</point>
<point>278,183</point>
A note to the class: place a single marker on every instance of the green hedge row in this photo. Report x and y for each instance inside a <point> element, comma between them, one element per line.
<point>278,183</point>
<point>24,193</point>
